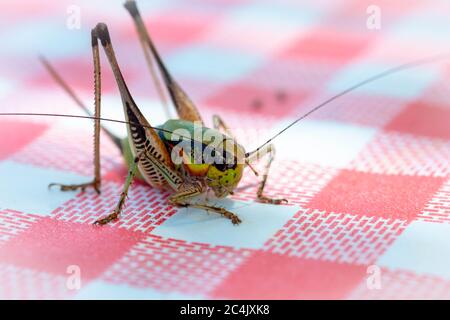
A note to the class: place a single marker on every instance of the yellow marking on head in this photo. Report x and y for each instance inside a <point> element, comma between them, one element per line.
<point>222,182</point>
<point>199,170</point>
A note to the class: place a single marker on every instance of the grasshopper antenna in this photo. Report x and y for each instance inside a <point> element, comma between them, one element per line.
<point>409,65</point>
<point>62,115</point>
<point>59,80</point>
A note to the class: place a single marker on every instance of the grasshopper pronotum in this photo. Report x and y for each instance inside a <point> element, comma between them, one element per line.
<point>149,151</point>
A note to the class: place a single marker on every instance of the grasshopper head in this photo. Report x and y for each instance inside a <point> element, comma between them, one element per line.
<point>224,174</point>
<point>224,179</point>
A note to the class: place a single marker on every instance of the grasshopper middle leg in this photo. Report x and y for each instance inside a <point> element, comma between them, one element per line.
<point>123,196</point>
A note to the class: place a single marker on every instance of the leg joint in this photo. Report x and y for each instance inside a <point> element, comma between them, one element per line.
<point>101,32</point>
<point>131,6</point>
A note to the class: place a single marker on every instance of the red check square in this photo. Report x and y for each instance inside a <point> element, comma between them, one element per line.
<point>178,28</point>
<point>422,118</point>
<point>404,285</point>
<point>19,135</point>
<point>80,73</point>
<point>329,45</point>
<point>293,75</point>
<point>388,196</point>
<point>52,246</point>
<point>336,237</point>
<point>272,276</point>
<point>256,101</point>
<point>171,265</point>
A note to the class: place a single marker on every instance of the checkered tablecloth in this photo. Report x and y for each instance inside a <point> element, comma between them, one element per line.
<point>367,177</point>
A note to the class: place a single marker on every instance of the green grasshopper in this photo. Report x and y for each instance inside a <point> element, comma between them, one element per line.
<point>148,152</point>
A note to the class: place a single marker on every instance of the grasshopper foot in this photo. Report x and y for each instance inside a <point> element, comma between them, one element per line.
<point>265,199</point>
<point>113,216</point>
<point>225,213</point>
<point>73,187</point>
<point>230,215</point>
<point>235,220</point>
<point>222,211</point>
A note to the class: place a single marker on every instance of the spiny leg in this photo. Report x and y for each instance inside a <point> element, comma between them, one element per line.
<point>142,32</point>
<point>184,106</point>
<point>222,211</point>
<point>96,183</point>
<point>123,196</point>
<point>189,191</point>
<point>270,151</point>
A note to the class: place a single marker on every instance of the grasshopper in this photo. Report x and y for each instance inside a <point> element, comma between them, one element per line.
<point>147,151</point>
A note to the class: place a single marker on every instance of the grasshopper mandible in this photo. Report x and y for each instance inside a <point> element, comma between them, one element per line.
<point>148,152</point>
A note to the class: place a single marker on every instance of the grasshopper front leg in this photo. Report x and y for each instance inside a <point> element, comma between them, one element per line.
<point>186,192</point>
<point>252,157</point>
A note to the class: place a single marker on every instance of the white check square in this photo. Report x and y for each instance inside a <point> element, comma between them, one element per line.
<point>259,223</point>
<point>326,143</point>
<point>25,188</point>
<point>424,247</point>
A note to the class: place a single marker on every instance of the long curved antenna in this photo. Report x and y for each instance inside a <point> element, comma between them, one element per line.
<point>36,114</point>
<point>383,74</point>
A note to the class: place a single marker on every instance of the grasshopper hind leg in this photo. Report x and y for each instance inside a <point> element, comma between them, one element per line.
<point>73,187</point>
<point>96,182</point>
